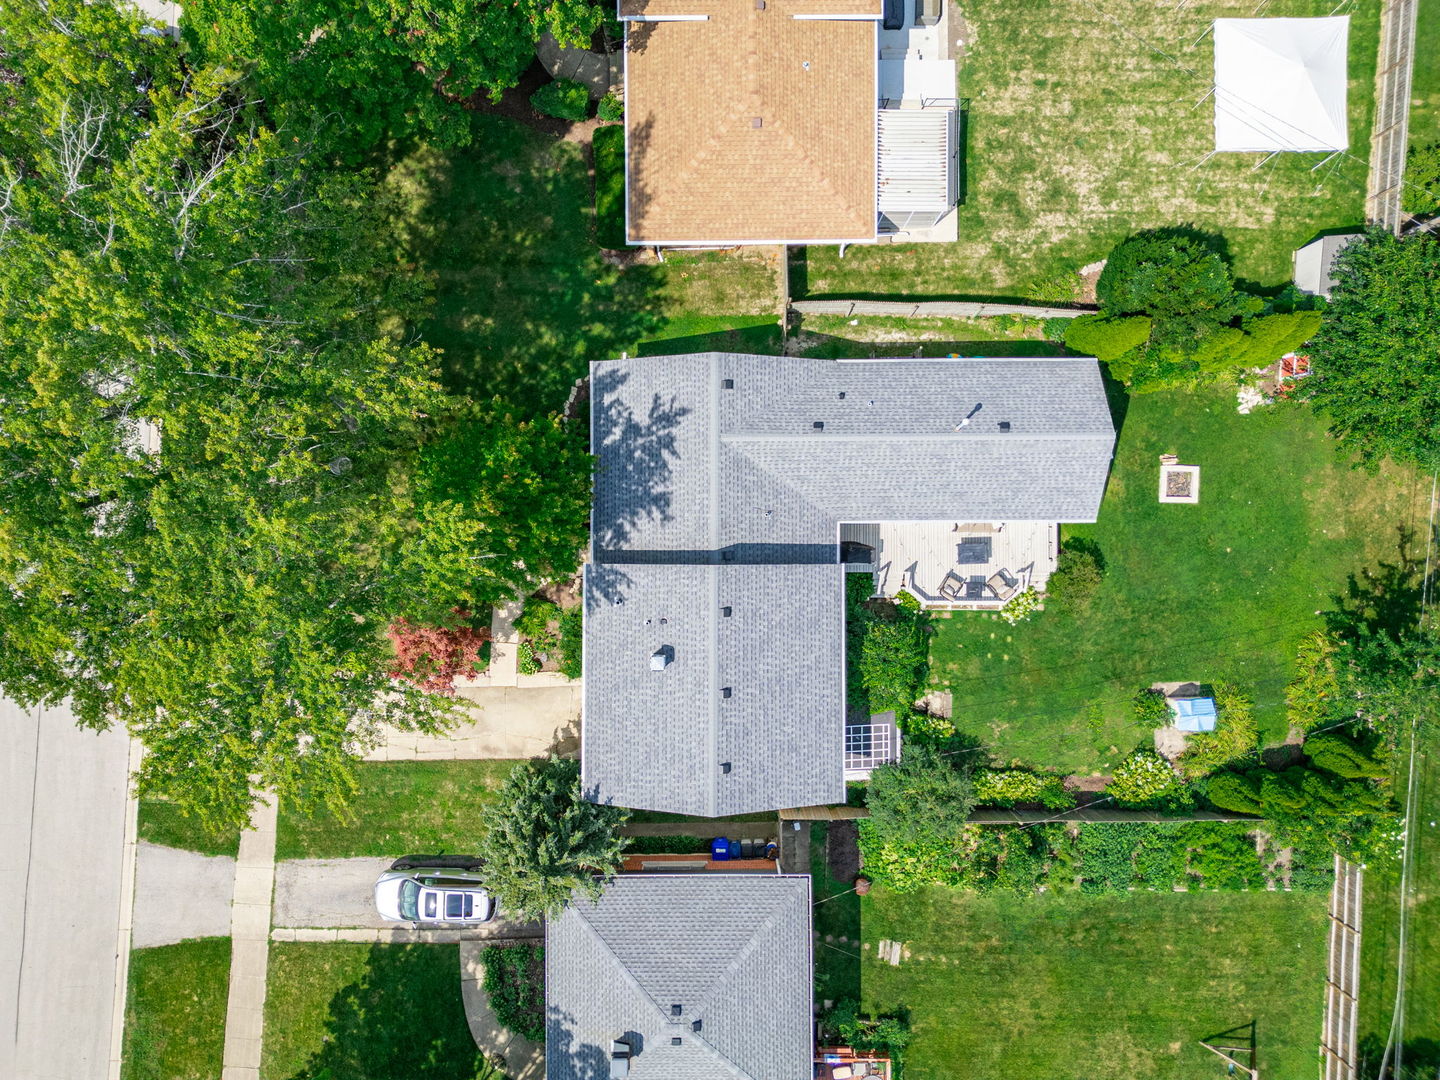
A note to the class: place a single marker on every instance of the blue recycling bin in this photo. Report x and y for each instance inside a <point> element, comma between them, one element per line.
<point>722,849</point>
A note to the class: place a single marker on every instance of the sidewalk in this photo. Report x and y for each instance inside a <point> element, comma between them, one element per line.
<point>250,944</point>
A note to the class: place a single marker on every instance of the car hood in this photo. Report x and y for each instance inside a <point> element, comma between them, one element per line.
<point>387,897</point>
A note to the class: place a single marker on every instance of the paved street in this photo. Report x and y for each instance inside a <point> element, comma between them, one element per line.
<point>62,836</point>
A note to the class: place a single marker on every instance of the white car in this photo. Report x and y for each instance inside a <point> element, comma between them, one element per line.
<point>433,894</point>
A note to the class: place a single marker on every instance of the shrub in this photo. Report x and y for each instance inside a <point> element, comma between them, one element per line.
<point>610,109</point>
<point>925,796</point>
<point>1144,779</point>
<point>1078,573</point>
<point>1337,754</point>
<point>1311,699</point>
<point>526,662</point>
<point>432,656</point>
<point>1175,277</point>
<point>1151,709</point>
<point>535,618</point>
<point>1107,854</point>
<point>608,148</point>
<point>1235,735</point>
<point>1235,792</point>
<point>1020,606</point>
<point>889,647</point>
<point>564,99</point>
<point>1223,854</point>
<point>1422,180</point>
<point>1107,337</point>
<point>515,985</point>
<point>572,640</point>
<point>1006,787</point>
<point>1270,337</point>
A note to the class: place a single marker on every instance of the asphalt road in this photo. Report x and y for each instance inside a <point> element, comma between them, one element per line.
<point>62,838</point>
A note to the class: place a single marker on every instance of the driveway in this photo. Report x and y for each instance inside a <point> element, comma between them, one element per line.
<point>500,722</point>
<point>180,895</point>
<point>62,839</point>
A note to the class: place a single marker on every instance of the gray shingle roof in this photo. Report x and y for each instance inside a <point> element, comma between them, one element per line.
<point>712,478</point>
<point>733,951</point>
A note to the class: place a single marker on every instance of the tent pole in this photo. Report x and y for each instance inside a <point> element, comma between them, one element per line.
<point>1204,159</point>
<point>1202,35</point>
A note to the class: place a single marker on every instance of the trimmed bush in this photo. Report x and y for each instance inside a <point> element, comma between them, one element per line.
<point>1234,792</point>
<point>1078,573</point>
<point>1006,787</point>
<point>1107,337</point>
<point>1151,709</point>
<point>1175,277</point>
<point>572,638</point>
<point>564,99</point>
<point>924,797</point>
<point>609,150</point>
<point>610,109</point>
<point>1337,754</point>
<point>515,985</point>
<point>1270,337</point>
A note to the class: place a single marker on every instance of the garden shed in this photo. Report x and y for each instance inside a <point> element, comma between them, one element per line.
<point>1280,84</point>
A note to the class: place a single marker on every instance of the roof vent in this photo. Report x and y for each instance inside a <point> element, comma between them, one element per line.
<point>662,658</point>
<point>676,1040</point>
<point>727,384</point>
<point>842,395</point>
<point>696,1025</point>
<point>676,1010</point>
<point>756,121</point>
<point>725,691</point>
<point>725,768</point>
<point>725,611</point>
<point>1004,425</point>
<point>759,5</point>
<point>818,425</point>
<point>619,1059</point>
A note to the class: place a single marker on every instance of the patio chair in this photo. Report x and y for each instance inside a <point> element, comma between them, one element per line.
<point>953,587</point>
<point>1002,584</point>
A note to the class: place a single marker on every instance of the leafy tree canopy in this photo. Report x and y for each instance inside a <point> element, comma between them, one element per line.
<point>544,841</point>
<point>1375,361</point>
<point>924,796</point>
<point>385,67</point>
<point>1175,277</point>
<point>206,438</point>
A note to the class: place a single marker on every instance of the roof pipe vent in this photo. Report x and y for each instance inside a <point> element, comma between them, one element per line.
<point>1004,425</point>
<point>818,425</point>
<point>662,658</point>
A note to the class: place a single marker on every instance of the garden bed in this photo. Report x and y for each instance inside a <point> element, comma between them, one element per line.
<point>551,635</point>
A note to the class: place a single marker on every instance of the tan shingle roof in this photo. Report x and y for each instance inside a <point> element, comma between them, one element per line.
<point>701,171</point>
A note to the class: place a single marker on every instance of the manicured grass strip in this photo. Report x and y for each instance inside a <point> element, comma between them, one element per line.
<point>1093,104</point>
<point>175,1011</point>
<point>1425,88</point>
<point>1222,590</point>
<point>836,921</point>
<point>402,808</point>
<point>1379,948</point>
<point>1082,987</point>
<point>361,1012</point>
<point>609,148</point>
<point>162,822</point>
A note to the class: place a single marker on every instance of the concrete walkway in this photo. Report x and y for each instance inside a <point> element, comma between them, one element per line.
<point>180,895</point>
<point>600,72</point>
<point>517,1057</point>
<point>250,944</point>
<point>504,722</point>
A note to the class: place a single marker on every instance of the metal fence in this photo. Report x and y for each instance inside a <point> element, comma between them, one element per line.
<point>1390,136</point>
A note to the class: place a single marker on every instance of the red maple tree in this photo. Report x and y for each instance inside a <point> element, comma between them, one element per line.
<point>432,656</point>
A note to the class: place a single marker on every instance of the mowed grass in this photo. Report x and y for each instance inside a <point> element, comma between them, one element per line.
<point>367,1012</point>
<point>163,822</point>
<point>1222,590</point>
<point>1425,87</point>
<point>1083,126</point>
<point>402,808</point>
<point>1380,942</point>
<point>1111,987</point>
<point>175,1011</point>
<point>523,299</point>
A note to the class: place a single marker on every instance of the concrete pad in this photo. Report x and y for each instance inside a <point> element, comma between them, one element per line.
<point>63,805</point>
<point>519,1058</point>
<point>499,722</point>
<point>328,892</point>
<point>180,895</point>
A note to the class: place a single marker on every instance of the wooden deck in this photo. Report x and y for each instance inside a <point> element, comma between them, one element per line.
<point>926,557</point>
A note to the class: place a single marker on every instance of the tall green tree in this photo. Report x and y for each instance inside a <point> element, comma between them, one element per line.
<point>543,841</point>
<point>208,431</point>
<point>385,67</point>
<point>1375,360</point>
<point>925,796</point>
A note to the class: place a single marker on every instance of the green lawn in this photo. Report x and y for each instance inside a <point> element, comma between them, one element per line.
<point>367,1012</point>
<point>1223,590</point>
<point>1097,987</point>
<point>162,822</point>
<point>836,924</point>
<point>834,336</point>
<point>1425,89</point>
<point>505,230</point>
<point>1079,131</point>
<point>175,1011</point>
<point>1380,947</point>
<point>402,807</point>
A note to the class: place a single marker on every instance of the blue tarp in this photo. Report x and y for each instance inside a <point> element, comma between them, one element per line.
<point>1194,713</point>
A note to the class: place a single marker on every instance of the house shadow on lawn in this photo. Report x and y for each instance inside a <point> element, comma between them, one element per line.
<point>834,862</point>
<point>403,1017</point>
<point>838,348</point>
<point>523,297</point>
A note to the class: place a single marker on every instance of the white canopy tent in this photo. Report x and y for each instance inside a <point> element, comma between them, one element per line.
<point>1280,84</point>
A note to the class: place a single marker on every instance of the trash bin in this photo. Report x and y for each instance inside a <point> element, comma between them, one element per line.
<point>722,849</point>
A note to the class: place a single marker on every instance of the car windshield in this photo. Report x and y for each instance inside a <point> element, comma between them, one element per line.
<point>459,905</point>
<point>408,892</point>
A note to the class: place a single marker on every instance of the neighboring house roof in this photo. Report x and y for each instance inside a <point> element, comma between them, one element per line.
<point>698,168</point>
<point>732,951</point>
<point>1315,263</point>
<point>714,489</point>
